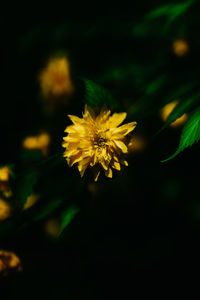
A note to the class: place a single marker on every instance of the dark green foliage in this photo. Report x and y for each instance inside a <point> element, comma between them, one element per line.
<point>180,109</point>
<point>172,11</point>
<point>67,216</point>
<point>190,133</point>
<point>25,186</point>
<point>48,209</point>
<point>97,96</point>
<point>140,221</point>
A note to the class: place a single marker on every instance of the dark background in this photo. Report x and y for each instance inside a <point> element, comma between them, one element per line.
<point>139,230</point>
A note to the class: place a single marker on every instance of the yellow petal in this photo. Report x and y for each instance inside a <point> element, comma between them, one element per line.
<point>74,128</point>
<point>72,139</point>
<point>117,119</point>
<point>103,161</point>
<point>76,120</point>
<point>116,165</point>
<point>121,145</point>
<point>108,173</point>
<point>82,166</point>
<point>103,116</point>
<point>125,163</point>
<point>75,158</point>
<point>68,153</point>
<point>88,113</point>
<point>96,176</point>
<point>124,129</point>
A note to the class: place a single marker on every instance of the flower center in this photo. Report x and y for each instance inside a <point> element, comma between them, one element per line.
<point>100,141</point>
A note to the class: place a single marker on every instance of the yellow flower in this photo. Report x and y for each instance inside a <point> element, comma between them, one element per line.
<point>5,174</point>
<point>53,227</point>
<point>97,141</point>
<point>40,142</point>
<point>180,47</point>
<point>5,210</point>
<point>55,79</point>
<point>137,143</point>
<point>9,261</point>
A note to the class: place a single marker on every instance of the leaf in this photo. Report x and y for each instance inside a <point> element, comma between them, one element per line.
<point>155,85</point>
<point>26,186</point>
<point>48,209</point>
<point>159,12</point>
<point>96,95</point>
<point>180,109</point>
<point>190,133</point>
<point>171,10</point>
<point>67,217</point>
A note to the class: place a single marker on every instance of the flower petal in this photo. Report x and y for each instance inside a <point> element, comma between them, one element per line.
<point>82,166</point>
<point>116,165</point>
<point>109,173</point>
<point>96,176</point>
<point>124,129</point>
<point>121,145</point>
<point>75,158</point>
<point>117,119</point>
<point>76,120</point>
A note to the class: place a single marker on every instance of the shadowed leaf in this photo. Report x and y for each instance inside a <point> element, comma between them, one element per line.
<point>96,95</point>
<point>190,133</point>
<point>156,85</point>
<point>26,186</point>
<point>171,10</point>
<point>67,216</point>
<point>48,209</point>
<point>180,109</point>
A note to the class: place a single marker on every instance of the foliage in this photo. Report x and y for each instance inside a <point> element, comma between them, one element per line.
<point>124,62</point>
<point>190,133</point>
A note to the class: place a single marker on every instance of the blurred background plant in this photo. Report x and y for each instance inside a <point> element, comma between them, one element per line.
<point>71,233</point>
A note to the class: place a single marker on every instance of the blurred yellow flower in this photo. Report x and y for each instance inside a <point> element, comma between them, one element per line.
<point>180,47</point>
<point>5,174</point>
<point>53,227</point>
<point>137,143</point>
<point>30,201</point>
<point>5,210</point>
<point>97,141</point>
<point>9,261</point>
<point>55,79</point>
<point>40,142</point>
<point>167,109</point>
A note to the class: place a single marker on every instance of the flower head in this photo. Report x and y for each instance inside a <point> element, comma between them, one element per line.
<point>5,210</point>
<point>40,142</point>
<point>180,47</point>
<point>5,176</point>
<point>97,141</point>
<point>9,261</point>
<point>55,79</point>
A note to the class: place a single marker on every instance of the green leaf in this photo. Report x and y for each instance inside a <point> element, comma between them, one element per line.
<point>156,85</point>
<point>171,10</point>
<point>180,109</point>
<point>67,217</point>
<point>26,186</point>
<point>48,209</point>
<point>96,95</point>
<point>159,12</point>
<point>190,133</point>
